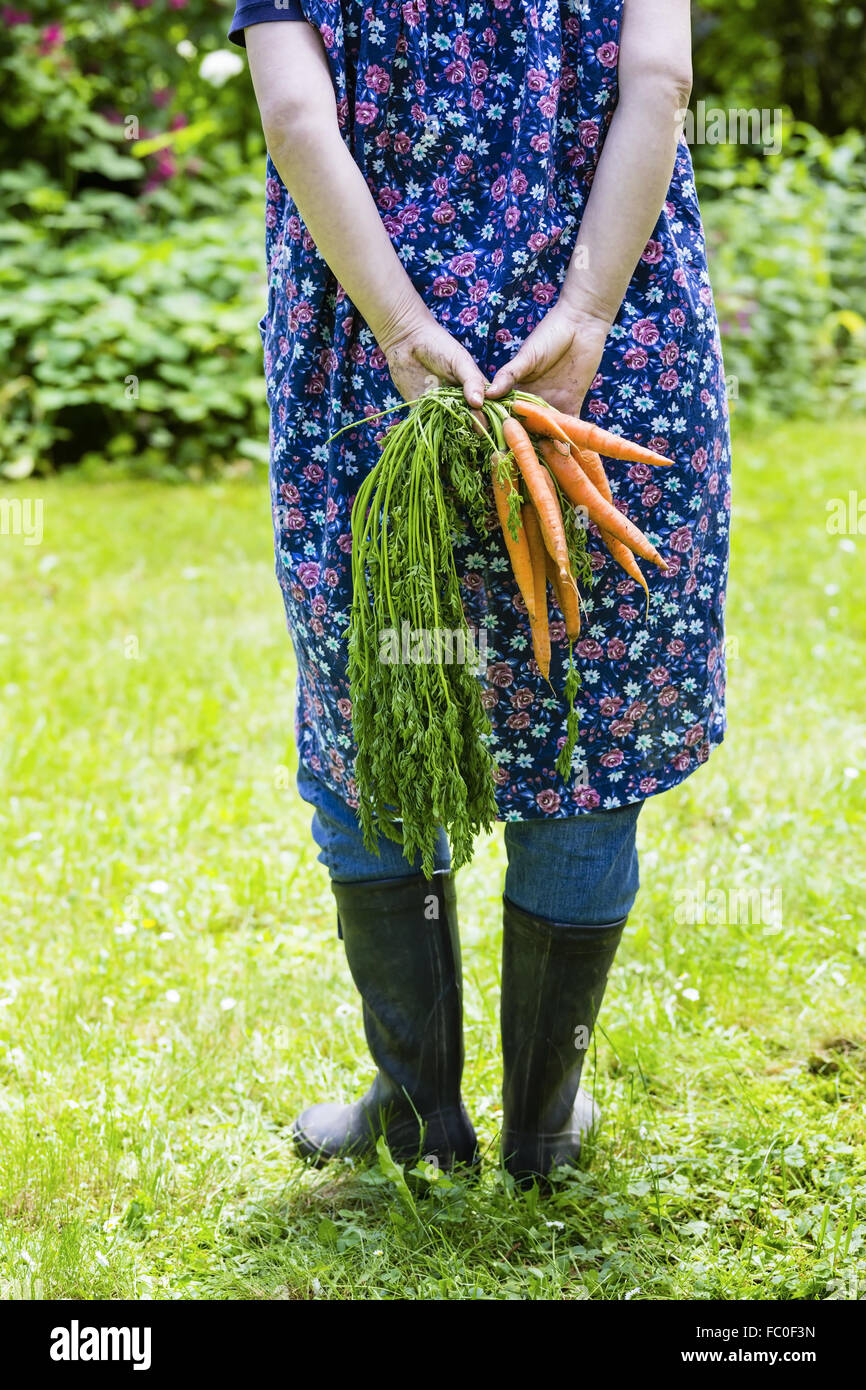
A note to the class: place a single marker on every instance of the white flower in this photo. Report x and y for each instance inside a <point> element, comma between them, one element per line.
<point>216,68</point>
<point>172,996</point>
<point>227,1004</point>
<point>186,49</point>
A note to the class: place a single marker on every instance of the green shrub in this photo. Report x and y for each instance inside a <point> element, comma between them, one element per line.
<point>787,247</point>
<point>132,262</point>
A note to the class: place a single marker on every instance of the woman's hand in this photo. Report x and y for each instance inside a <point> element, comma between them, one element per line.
<point>422,355</point>
<point>558,360</point>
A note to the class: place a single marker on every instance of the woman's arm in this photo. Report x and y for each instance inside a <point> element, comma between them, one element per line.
<point>298,108</point>
<point>561,356</point>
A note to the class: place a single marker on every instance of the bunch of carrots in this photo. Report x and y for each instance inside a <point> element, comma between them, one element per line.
<point>421,731</point>
<point>554,456</point>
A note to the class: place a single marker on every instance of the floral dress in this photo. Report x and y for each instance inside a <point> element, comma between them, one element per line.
<point>478,125</point>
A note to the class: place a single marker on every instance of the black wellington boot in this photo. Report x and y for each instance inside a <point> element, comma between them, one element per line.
<point>553,980</point>
<point>403,950</point>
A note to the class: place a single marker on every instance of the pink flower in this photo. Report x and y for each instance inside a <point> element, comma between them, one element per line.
<point>668,696</point>
<point>522,698</point>
<point>694,735</point>
<point>462,163</point>
<point>512,217</point>
<point>613,758</point>
<point>645,332</point>
<point>627,612</point>
<point>543,293</point>
<point>640,472</point>
<point>536,79</point>
<point>489,699</point>
<point>675,647</point>
<point>455,71</point>
<point>609,705</point>
<point>681,539</point>
<point>377,79</point>
<point>586,797</point>
<point>463,263</point>
<point>587,133</point>
<point>519,182</point>
<point>669,380</point>
<point>659,676</point>
<point>616,649</point>
<point>651,495</point>
<point>677,317</point>
<point>621,728</point>
<point>500,673</point>
<point>648,785</point>
<point>479,71</point>
<point>589,649</point>
<point>608,54</point>
<point>669,354</point>
<point>365,113</point>
<point>520,720</point>
<point>498,189</point>
<point>308,573</point>
<point>653,252</point>
<point>636,358</point>
<point>681,762</point>
<point>443,214</point>
<point>12,17</point>
<point>444,285</point>
<point>699,460</point>
<point>548,800</point>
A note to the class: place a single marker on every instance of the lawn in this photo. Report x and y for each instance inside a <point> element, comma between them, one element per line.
<point>172,989</point>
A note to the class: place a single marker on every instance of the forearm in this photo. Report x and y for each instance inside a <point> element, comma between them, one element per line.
<point>635,167</point>
<point>299,117</point>
<point>341,217</point>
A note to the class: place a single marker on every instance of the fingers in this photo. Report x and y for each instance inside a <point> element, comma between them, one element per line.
<point>521,368</point>
<point>472,380</point>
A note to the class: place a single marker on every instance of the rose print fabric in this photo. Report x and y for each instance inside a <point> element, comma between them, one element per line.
<point>478,127</point>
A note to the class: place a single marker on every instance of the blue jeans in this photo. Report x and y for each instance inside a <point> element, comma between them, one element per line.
<point>581,870</point>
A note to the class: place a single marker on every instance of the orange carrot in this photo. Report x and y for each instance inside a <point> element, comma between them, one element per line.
<point>594,470</point>
<point>540,418</point>
<point>538,624</point>
<point>588,436</point>
<point>541,492</point>
<point>518,550</point>
<point>566,597</point>
<point>583,493</point>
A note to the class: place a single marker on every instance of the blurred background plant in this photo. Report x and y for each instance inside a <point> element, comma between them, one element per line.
<point>131,259</point>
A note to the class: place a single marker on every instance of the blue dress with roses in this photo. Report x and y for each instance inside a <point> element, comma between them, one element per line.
<point>478,127</point>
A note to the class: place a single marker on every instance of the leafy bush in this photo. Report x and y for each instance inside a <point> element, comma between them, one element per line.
<point>787,247</point>
<point>131,238</point>
<point>131,252</point>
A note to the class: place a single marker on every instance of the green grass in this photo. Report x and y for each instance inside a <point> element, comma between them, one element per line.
<point>172,988</point>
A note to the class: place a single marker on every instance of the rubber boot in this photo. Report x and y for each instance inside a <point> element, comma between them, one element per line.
<point>553,979</point>
<point>403,949</point>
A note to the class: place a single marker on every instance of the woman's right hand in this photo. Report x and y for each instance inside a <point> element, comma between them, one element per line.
<point>422,355</point>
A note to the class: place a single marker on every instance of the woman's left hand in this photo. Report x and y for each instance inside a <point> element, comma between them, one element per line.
<point>558,360</point>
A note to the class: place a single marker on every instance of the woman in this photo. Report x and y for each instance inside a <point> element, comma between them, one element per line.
<point>492,194</point>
